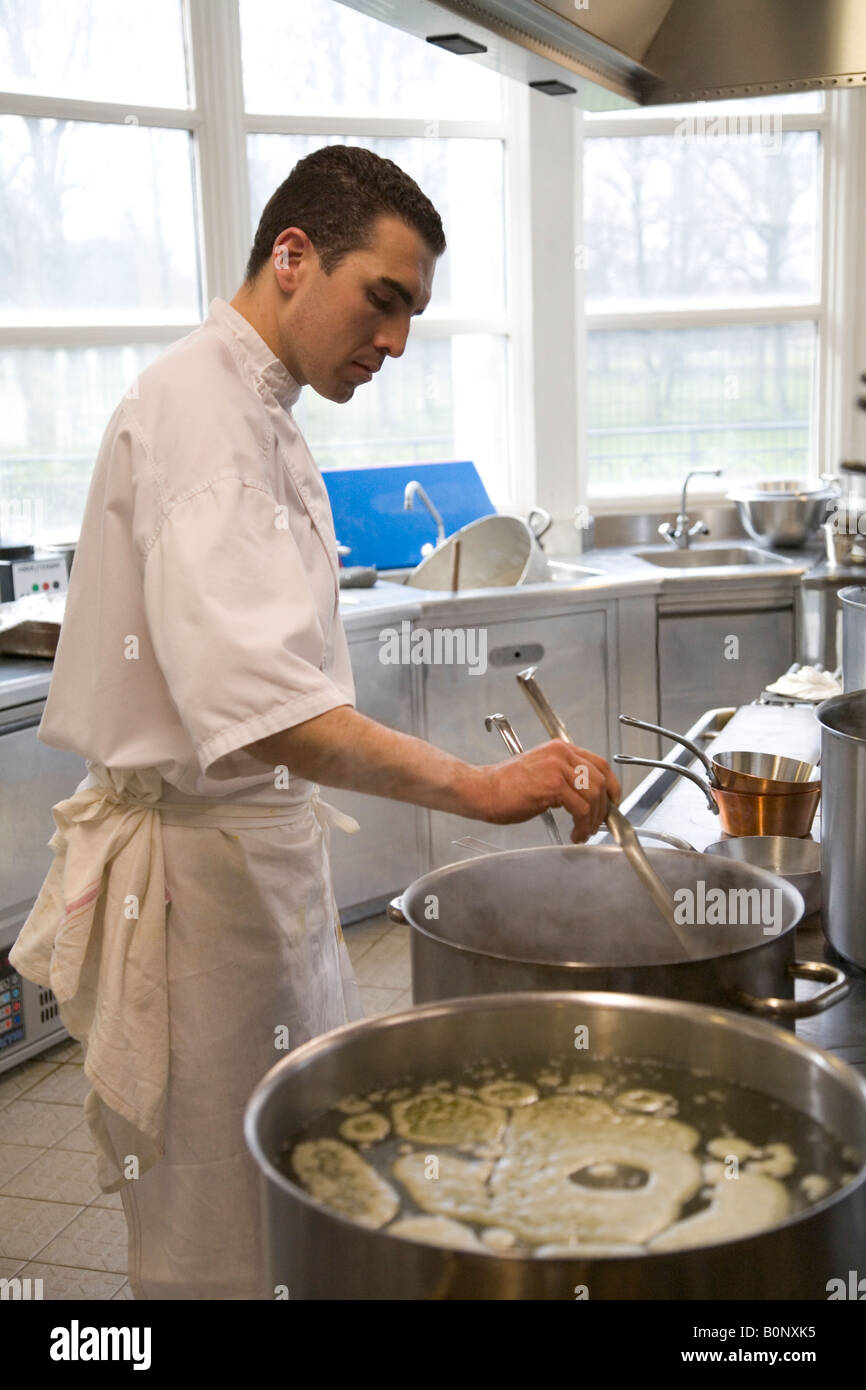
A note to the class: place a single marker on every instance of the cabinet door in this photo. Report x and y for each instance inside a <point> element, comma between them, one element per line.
<point>719,659</point>
<point>571,652</point>
<point>33,778</point>
<point>383,857</point>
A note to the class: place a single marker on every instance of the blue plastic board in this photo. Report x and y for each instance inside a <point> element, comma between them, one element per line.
<point>368,508</point>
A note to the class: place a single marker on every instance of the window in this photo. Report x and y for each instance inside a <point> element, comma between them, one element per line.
<point>99,255</point>
<point>704,291</point>
<point>138,145</point>
<point>442,119</point>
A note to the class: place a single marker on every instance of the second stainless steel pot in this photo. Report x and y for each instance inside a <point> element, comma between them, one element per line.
<point>843,757</point>
<point>576,917</point>
<point>853,601</point>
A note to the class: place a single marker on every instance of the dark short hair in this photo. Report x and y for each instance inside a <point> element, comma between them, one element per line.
<point>334,195</point>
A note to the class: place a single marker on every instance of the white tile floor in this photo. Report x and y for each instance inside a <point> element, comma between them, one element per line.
<point>55,1223</point>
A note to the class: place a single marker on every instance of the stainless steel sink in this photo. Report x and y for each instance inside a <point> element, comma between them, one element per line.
<point>709,557</point>
<point>558,572</point>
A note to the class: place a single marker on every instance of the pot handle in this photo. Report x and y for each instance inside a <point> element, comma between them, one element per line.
<point>395,912</point>
<point>672,767</point>
<point>677,738</point>
<point>546,521</point>
<point>836,979</point>
<point>666,838</point>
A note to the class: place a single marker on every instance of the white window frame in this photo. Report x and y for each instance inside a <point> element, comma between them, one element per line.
<point>219,126</point>
<point>839,125</point>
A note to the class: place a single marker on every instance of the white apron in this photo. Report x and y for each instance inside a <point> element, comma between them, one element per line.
<point>189,945</point>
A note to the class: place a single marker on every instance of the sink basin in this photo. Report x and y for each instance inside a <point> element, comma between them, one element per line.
<point>558,572</point>
<point>709,557</point>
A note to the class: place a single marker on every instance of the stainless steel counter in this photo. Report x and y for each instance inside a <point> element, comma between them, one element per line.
<point>23,679</point>
<point>623,573</point>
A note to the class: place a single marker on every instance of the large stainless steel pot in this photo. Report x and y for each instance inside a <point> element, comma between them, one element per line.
<point>853,601</point>
<point>313,1253</point>
<point>843,759</point>
<point>495,551</point>
<point>576,917</point>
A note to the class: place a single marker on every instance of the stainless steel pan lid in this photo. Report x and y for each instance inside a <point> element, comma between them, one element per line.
<point>583,905</point>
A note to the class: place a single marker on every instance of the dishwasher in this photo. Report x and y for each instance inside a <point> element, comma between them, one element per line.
<point>33,778</point>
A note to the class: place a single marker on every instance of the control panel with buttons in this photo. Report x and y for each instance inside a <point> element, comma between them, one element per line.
<point>43,574</point>
<point>11,1003</point>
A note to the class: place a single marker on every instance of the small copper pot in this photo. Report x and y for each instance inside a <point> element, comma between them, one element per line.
<point>750,813</point>
<point>741,770</point>
<point>768,813</point>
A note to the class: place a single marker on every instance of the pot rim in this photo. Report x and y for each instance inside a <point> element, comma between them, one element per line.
<point>837,702</point>
<point>308,1052</point>
<point>770,880</point>
<point>807,493</point>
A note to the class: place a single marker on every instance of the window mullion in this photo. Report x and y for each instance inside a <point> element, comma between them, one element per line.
<point>223,181</point>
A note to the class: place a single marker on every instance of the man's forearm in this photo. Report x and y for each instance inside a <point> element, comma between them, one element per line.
<point>347,750</point>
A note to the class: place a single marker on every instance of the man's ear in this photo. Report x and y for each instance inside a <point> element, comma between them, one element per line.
<point>290,250</point>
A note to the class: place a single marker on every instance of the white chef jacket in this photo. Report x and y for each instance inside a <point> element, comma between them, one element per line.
<point>203,614</point>
<point>203,607</point>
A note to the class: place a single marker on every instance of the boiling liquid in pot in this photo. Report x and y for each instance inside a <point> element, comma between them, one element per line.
<point>613,1157</point>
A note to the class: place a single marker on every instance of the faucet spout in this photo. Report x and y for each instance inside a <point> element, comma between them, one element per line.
<point>414,489</point>
<point>680,535</point>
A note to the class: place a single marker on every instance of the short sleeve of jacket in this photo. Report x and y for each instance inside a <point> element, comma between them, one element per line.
<point>243,642</point>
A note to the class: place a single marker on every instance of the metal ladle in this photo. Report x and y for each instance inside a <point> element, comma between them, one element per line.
<point>622,830</point>
<point>514,746</point>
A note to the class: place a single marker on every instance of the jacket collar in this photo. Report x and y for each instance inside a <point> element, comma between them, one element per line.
<point>264,365</point>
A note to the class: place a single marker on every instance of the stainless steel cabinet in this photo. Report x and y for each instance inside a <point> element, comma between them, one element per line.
<point>381,858</point>
<point>33,777</point>
<point>576,663</point>
<point>712,659</point>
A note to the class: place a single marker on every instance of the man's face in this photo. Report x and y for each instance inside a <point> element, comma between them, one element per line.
<point>339,328</point>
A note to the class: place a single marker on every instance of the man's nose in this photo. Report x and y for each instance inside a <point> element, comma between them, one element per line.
<point>392,340</point>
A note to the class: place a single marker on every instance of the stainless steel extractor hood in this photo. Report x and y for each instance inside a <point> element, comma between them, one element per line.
<point>652,51</point>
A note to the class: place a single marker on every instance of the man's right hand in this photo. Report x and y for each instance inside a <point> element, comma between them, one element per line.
<point>342,748</point>
<point>556,774</point>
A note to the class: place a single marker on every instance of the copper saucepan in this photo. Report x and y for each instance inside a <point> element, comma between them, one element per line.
<point>749,813</point>
<point>742,771</point>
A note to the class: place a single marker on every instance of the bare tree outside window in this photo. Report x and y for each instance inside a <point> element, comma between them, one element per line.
<point>687,222</point>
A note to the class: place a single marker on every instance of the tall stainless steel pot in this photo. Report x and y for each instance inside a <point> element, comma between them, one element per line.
<point>313,1253</point>
<point>843,843</point>
<point>576,917</point>
<point>853,601</point>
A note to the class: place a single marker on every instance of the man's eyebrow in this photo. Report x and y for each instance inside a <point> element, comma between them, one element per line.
<point>400,289</point>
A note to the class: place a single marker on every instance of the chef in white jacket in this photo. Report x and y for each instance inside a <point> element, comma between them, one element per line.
<point>188,924</point>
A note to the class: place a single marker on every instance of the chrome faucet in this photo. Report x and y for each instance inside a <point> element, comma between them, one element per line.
<point>680,535</point>
<point>413,490</point>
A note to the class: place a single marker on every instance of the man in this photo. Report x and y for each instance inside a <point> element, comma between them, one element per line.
<point>188,925</point>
